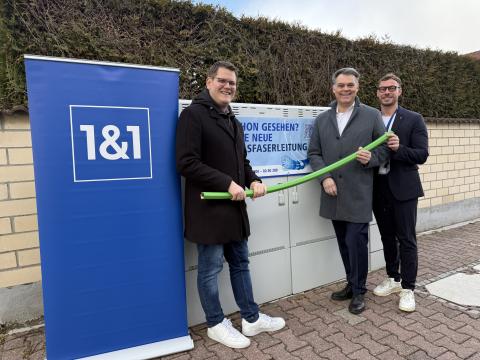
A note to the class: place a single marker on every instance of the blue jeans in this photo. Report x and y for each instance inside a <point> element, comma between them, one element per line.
<point>210,264</point>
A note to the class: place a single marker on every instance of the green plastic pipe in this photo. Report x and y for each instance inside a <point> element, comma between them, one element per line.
<point>271,189</point>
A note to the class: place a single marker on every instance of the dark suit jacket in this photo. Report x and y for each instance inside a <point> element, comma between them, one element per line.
<point>403,178</point>
<point>210,154</point>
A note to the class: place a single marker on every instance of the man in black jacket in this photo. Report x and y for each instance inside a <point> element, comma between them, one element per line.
<point>211,155</point>
<point>397,188</point>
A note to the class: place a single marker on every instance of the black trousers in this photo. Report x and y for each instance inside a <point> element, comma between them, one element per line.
<point>396,221</point>
<point>352,241</point>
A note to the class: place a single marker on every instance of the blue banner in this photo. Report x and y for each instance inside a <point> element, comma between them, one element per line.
<point>277,146</point>
<point>109,208</point>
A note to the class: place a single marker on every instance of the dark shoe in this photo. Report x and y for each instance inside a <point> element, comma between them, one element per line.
<point>357,305</point>
<point>344,294</point>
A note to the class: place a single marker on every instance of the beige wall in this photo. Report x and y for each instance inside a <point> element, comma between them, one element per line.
<point>19,252</point>
<point>452,173</point>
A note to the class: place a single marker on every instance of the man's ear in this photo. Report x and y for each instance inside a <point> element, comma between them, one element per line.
<point>208,82</point>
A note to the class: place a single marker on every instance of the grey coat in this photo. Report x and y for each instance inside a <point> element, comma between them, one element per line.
<point>354,181</point>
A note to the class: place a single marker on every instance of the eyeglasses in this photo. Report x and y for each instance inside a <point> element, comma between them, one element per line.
<point>392,88</point>
<point>225,82</point>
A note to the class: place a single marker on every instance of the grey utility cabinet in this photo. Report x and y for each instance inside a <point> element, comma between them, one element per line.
<point>292,249</point>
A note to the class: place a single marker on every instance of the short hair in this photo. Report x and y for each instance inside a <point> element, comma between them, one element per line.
<point>221,64</point>
<point>345,71</point>
<point>390,76</point>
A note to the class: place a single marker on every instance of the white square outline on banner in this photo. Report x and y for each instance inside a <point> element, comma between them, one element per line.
<point>110,107</point>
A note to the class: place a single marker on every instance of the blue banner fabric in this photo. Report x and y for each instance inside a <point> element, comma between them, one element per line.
<point>277,146</point>
<point>109,207</point>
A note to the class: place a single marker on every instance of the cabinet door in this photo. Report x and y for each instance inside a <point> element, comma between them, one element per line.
<point>306,225</point>
<point>315,257</point>
<point>269,222</point>
<point>269,244</point>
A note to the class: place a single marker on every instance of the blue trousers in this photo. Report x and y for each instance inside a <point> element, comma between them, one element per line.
<point>210,264</point>
<point>352,241</point>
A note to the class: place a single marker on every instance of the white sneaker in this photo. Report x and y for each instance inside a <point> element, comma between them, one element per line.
<point>407,300</point>
<point>226,334</point>
<point>387,287</point>
<point>263,323</point>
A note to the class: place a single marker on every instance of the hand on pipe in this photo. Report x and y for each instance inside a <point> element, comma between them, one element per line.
<point>238,194</point>
<point>258,188</point>
<point>363,156</point>
<point>329,186</point>
<point>393,142</point>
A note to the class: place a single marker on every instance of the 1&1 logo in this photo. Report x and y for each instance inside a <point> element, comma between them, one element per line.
<point>110,143</point>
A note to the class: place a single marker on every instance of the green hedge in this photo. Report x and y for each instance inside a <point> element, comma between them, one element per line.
<point>279,63</point>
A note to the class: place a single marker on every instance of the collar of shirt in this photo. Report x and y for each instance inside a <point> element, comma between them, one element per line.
<point>350,109</point>
<point>342,118</point>
<point>388,120</point>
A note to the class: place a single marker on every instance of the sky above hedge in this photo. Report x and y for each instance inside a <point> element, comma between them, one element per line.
<point>448,25</point>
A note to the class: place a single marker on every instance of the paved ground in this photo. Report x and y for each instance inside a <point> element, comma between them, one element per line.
<point>319,328</point>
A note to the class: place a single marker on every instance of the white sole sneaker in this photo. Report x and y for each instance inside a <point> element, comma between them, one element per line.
<point>232,345</point>
<point>406,309</point>
<point>407,301</point>
<point>264,323</point>
<point>389,292</point>
<point>224,333</point>
<point>387,287</point>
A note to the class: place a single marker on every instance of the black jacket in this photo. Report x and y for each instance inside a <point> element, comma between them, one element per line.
<point>210,153</point>
<point>403,178</point>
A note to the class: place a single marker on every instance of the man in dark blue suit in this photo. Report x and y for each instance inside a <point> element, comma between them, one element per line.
<point>396,190</point>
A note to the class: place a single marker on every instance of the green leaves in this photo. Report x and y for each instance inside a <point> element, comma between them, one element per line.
<point>278,63</point>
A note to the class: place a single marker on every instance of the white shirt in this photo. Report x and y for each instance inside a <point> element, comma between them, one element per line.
<point>342,118</point>
<point>386,119</point>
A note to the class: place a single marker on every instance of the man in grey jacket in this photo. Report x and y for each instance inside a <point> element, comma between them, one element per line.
<point>347,192</point>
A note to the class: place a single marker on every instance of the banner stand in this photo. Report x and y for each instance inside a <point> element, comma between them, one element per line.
<point>149,351</point>
<point>109,208</point>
